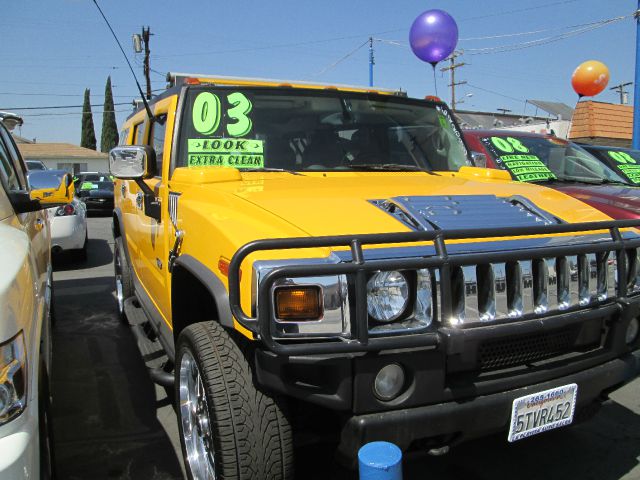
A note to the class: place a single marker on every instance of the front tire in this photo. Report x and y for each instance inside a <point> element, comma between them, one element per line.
<point>229,429</point>
<point>123,277</point>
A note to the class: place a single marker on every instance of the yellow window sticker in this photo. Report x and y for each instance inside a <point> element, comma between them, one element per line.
<point>225,152</point>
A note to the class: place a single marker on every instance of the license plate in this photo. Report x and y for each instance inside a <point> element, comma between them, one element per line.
<point>542,411</point>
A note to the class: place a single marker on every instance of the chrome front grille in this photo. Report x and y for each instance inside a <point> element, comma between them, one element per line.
<point>510,290</point>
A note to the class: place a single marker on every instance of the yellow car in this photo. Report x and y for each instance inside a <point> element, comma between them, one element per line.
<point>291,244</point>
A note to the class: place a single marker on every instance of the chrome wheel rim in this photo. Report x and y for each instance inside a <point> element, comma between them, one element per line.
<point>118,274</point>
<point>194,415</point>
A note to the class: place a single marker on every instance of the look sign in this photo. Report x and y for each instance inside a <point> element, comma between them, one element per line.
<point>224,121</point>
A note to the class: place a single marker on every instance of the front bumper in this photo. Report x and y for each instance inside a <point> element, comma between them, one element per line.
<point>19,447</point>
<point>456,421</point>
<point>68,232</point>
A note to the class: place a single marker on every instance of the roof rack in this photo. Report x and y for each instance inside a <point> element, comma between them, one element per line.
<point>175,78</point>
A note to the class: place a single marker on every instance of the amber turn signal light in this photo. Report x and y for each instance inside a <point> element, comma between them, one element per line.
<point>298,303</point>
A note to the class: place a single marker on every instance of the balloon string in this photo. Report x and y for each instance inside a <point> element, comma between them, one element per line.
<point>435,83</point>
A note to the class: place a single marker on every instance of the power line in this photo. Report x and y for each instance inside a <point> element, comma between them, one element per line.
<point>71,113</point>
<point>528,9</point>
<point>334,64</point>
<point>585,28</point>
<point>23,94</point>
<point>57,106</point>
<point>496,93</point>
<point>545,40</point>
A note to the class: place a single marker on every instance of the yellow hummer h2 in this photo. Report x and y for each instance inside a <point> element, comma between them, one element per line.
<point>295,245</point>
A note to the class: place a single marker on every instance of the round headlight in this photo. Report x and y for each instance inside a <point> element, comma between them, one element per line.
<point>387,296</point>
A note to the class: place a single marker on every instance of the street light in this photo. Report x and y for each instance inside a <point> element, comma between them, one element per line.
<point>137,42</point>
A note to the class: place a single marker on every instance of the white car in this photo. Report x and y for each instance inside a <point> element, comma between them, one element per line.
<point>68,222</point>
<point>69,228</point>
<point>25,300</point>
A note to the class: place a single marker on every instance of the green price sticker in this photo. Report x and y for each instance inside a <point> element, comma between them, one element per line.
<point>527,168</point>
<point>225,145</point>
<point>226,160</point>
<point>225,152</point>
<point>621,157</point>
<point>509,145</point>
<point>207,112</point>
<point>88,186</point>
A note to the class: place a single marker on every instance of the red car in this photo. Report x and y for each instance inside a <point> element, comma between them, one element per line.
<point>556,163</point>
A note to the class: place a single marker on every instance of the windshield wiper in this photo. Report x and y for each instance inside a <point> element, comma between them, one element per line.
<point>393,167</point>
<point>603,181</point>
<point>267,169</point>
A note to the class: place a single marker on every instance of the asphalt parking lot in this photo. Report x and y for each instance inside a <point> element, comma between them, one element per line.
<point>111,422</point>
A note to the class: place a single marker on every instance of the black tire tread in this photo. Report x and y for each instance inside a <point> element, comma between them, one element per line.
<point>252,435</point>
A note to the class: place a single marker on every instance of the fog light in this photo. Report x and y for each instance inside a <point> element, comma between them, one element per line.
<point>389,382</point>
<point>632,331</point>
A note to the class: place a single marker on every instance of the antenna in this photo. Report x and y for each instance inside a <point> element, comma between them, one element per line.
<point>144,100</point>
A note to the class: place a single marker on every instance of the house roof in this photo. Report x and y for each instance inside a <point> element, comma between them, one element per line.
<point>602,120</point>
<point>57,150</point>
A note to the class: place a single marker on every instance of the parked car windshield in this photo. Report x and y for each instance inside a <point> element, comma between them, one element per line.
<point>539,159</point>
<point>35,165</point>
<point>302,130</point>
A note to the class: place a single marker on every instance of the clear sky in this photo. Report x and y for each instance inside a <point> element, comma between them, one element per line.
<point>53,49</point>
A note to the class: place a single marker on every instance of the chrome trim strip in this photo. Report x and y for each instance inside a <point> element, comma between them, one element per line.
<point>552,284</point>
<point>593,276</point>
<point>500,289</point>
<point>527,286</point>
<point>563,272</point>
<point>515,290</point>
<point>540,286</point>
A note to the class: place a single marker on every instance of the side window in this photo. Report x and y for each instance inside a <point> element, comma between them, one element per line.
<point>138,134</point>
<point>158,129</point>
<point>9,158</point>
<point>124,136</point>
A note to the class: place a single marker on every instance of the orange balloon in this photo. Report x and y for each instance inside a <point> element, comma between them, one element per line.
<point>590,78</point>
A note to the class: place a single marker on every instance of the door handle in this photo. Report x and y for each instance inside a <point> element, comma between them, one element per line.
<point>39,224</point>
<point>139,198</point>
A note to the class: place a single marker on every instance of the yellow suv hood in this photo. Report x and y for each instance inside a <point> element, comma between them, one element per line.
<point>340,203</point>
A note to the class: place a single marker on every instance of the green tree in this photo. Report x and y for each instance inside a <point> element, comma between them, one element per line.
<point>88,139</point>
<point>109,137</point>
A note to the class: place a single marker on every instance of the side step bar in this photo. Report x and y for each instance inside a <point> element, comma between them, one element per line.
<point>150,347</point>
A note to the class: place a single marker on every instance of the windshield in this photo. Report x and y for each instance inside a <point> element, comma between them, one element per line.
<point>324,131</point>
<point>624,162</point>
<point>535,159</point>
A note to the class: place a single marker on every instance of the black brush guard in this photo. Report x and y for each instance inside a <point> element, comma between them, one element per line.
<point>359,268</point>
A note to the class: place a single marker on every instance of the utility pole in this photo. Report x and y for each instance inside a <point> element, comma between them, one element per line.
<point>138,40</point>
<point>452,68</point>
<point>147,70</point>
<point>371,61</point>
<point>636,97</point>
<point>624,98</point>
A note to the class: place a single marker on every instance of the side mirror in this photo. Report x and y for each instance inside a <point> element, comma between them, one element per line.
<point>51,190</point>
<point>479,159</point>
<point>137,162</point>
<point>132,162</point>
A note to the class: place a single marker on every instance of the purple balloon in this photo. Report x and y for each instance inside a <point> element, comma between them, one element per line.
<point>433,36</point>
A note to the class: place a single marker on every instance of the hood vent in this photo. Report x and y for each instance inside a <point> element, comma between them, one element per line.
<point>440,212</point>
